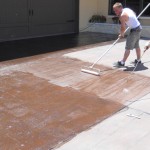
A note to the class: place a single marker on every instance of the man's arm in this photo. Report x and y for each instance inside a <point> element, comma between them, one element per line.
<point>123,19</point>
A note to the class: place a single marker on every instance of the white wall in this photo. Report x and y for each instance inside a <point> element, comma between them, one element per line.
<point>86,9</point>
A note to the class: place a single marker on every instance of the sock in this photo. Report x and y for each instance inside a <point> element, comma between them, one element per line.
<point>122,62</point>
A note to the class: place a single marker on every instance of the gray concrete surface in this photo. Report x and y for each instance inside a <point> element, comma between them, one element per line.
<point>128,129</point>
<point>113,55</point>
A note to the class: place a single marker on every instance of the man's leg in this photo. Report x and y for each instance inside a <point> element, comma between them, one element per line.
<point>137,47</point>
<point>126,55</point>
<point>138,53</point>
<point>129,45</point>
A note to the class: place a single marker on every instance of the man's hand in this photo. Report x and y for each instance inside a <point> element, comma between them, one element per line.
<point>147,46</point>
<point>121,36</point>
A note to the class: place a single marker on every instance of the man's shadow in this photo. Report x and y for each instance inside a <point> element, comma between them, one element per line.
<point>138,67</point>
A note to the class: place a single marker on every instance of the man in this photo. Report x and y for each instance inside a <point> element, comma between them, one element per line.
<point>128,17</point>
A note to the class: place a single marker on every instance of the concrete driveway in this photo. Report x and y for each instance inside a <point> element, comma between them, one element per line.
<point>46,102</point>
<point>129,128</point>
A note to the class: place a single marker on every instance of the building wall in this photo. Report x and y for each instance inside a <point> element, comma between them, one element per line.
<point>86,9</point>
<point>103,7</point>
<point>89,7</point>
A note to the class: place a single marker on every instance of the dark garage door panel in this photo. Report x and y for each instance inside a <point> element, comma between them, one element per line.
<point>33,18</point>
<point>53,16</point>
<point>13,13</point>
<point>55,29</point>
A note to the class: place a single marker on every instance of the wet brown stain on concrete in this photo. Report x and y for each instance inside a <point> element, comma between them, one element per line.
<point>109,85</point>
<point>117,86</point>
<point>36,114</point>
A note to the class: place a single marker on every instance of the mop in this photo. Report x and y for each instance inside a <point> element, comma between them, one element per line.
<point>138,62</point>
<point>91,69</point>
<point>95,71</point>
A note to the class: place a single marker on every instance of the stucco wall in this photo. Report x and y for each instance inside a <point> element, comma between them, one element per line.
<point>103,7</point>
<point>86,9</point>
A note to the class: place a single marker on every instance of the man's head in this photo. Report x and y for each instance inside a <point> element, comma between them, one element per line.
<point>117,7</point>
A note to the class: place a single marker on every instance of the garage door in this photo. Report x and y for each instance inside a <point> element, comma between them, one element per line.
<point>53,17</point>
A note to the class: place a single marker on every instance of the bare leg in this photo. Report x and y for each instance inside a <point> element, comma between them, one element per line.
<point>138,53</point>
<point>126,54</point>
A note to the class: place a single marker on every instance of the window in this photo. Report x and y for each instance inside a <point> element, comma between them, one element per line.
<point>136,5</point>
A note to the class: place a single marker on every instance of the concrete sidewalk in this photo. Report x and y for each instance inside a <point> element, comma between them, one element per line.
<point>129,128</point>
<point>126,130</point>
